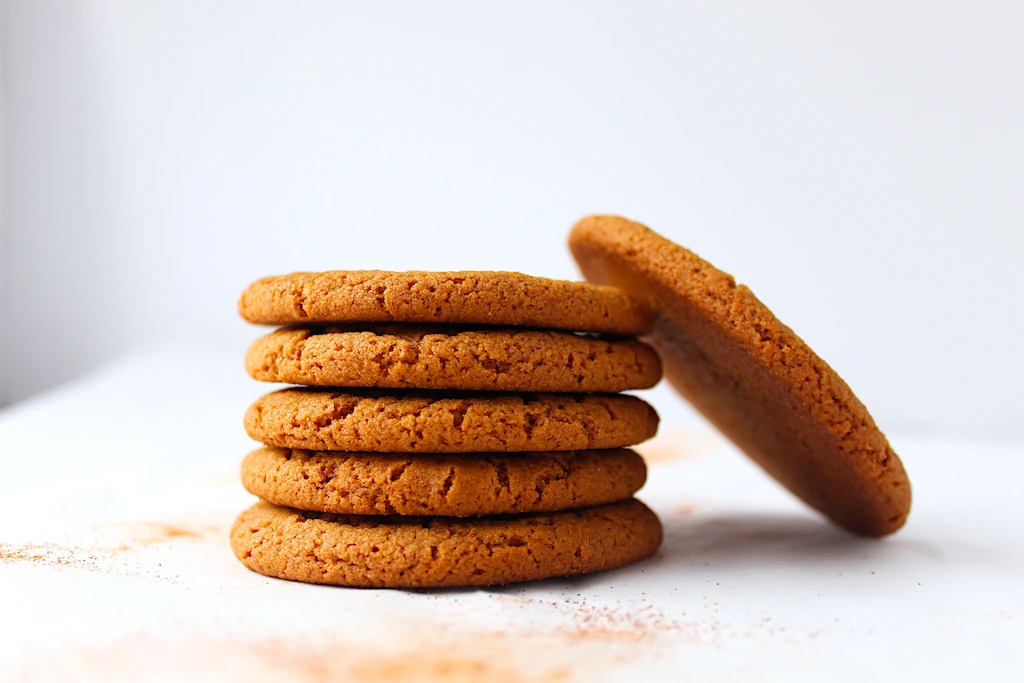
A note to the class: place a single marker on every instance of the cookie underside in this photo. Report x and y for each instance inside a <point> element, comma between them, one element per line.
<point>752,377</point>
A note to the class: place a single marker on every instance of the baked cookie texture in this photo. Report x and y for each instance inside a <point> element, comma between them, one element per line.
<point>433,422</point>
<point>753,377</point>
<point>424,357</point>
<point>487,298</point>
<point>452,429</point>
<point>420,552</point>
<point>458,485</point>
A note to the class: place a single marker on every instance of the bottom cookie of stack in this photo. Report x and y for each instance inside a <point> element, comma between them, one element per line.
<point>421,552</point>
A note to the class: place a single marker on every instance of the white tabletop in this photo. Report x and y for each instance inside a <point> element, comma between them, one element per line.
<point>118,492</point>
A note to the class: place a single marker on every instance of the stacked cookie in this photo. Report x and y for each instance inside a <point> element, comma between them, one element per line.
<point>452,429</point>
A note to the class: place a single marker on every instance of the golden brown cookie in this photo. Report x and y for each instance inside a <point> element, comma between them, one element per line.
<point>421,357</point>
<point>421,552</point>
<point>751,376</point>
<point>385,421</point>
<point>478,298</point>
<point>459,485</point>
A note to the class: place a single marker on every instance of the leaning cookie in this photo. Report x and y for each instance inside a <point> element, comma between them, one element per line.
<point>753,377</point>
<point>459,485</point>
<point>389,421</point>
<point>421,552</point>
<point>475,298</point>
<point>421,357</point>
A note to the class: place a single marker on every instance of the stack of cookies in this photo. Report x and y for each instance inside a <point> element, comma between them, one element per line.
<point>451,429</point>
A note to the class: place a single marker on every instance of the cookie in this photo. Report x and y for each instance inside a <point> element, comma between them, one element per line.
<point>422,552</point>
<point>479,298</point>
<point>460,485</point>
<point>751,376</point>
<point>422,357</point>
<point>384,421</point>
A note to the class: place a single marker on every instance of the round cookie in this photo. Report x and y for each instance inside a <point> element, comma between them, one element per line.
<point>426,422</point>
<point>421,357</point>
<point>422,552</point>
<point>460,485</point>
<point>478,298</point>
<point>751,376</point>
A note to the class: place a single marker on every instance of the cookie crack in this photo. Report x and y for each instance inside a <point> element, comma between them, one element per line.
<point>449,481</point>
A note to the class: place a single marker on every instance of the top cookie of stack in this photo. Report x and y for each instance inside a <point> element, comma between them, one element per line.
<point>417,387</point>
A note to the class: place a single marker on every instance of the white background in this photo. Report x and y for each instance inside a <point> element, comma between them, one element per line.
<point>858,164</point>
